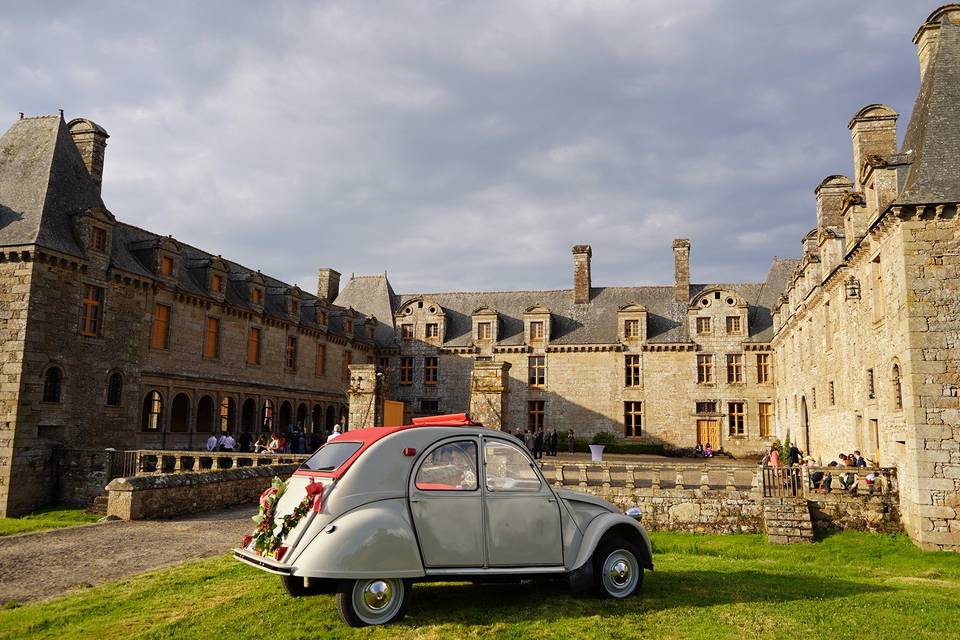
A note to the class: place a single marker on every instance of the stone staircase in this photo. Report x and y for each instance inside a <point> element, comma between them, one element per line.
<point>787,520</point>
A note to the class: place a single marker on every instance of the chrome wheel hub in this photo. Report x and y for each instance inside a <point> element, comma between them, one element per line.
<point>620,573</point>
<point>377,595</point>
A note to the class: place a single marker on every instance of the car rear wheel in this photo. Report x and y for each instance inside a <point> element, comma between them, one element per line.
<point>298,587</point>
<point>361,603</point>
<point>617,570</point>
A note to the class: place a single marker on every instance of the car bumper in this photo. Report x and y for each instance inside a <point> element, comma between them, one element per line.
<point>264,564</point>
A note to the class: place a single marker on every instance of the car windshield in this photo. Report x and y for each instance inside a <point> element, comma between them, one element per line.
<point>331,456</point>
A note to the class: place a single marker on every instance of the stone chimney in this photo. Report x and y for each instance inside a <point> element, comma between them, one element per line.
<point>328,284</point>
<point>91,141</point>
<point>873,131</point>
<point>927,37</point>
<point>681,270</point>
<point>581,273</point>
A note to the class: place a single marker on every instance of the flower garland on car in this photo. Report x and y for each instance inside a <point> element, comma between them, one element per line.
<point>267,538</point>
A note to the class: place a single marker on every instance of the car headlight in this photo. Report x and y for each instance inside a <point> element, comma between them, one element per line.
<point>635,513</point>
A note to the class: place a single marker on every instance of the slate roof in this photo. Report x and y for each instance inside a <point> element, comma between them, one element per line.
<point>933,135</point>
<point>42,181</point>
<point>592,323</point>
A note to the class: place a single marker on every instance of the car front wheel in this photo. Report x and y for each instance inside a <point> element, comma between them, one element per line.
<point>617,570</point>
<point>361,603</point>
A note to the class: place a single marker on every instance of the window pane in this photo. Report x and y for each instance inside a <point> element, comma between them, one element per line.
<point>508,469</point>
<point>452,467</point>
<point>330,456</point>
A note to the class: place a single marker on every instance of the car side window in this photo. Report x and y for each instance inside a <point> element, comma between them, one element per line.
<point>508,469</point>
<point>451,467</point>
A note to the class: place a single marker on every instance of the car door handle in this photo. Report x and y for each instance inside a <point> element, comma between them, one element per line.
<point>551,499</point>
<point>414,499</point>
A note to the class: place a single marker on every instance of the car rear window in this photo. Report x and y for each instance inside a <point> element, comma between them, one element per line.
<point>330,456</point>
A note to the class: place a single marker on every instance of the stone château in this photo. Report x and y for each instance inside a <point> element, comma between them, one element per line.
<point>115,336</point>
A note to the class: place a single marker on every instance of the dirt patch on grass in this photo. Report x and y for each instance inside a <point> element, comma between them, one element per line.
<point>41,565</point>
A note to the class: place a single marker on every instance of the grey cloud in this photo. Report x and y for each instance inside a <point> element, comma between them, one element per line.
<point>468,145</point>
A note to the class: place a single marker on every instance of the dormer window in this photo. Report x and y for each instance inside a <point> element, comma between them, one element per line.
<point>348,326</point>
<point>323,317</point>
<point>406,331</point>
<point>734,326</point>
<point>217,283</point>
<point>256,296</point>
<point>704,327</point>
<point>166,266</point>
<point>483,331</point>
<point>294,308</point>
<point>370,330</point>
<point>631,328</point>
<point>433,330</point>
<point>98,238</point>
<point>536,330</point>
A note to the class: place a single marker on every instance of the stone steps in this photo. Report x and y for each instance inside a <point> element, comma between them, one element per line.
<point>787,520</point>
<point>98,505</point>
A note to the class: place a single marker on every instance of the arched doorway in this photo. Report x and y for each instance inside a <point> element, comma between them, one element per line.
<point>805,426</point>
<point>205,422</point>
<point>316,420</point>
<point>266,416</point>
<point>152,411</point>
<point>331,419</point>
<point>346,418</point>
<point>302,416</point>
<point>286,417</point>
<point>248,415</point>
<point>180,414</point>
<point>228,412</point>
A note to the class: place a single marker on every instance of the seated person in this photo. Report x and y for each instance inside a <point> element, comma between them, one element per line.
<point>698,450</point>
<point>708,451</point>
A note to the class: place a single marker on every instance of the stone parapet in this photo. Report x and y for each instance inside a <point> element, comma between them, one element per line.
<point>169,495</point>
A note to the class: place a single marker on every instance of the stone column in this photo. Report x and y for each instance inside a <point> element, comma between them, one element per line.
<point>362,395</point>
<point>489,392</point>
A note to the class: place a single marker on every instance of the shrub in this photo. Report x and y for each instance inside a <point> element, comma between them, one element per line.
<point>604,437</point>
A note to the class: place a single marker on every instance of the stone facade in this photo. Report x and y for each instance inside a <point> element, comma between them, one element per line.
<point>869,327</point>
<point>633,361</point>
<point>117,337</point>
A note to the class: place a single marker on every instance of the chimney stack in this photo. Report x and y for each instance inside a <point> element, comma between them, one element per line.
<point>927,37</point>
<point>581,273</point>
<point>873,131</point>
<point>681,270</point>
<point>328,284</point>
<point>91,141</point>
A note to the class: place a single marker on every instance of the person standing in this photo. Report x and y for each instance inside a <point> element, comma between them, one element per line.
<point>571,441</point>
<point>774,457</point>
<point>553,442</point>
<point>337,432</point>
<point>528,440</point>
<point>538,445</point>
<point>212,442</point>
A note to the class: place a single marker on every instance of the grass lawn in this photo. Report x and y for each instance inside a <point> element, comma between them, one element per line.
<point>868,587</point>
<point>45,519</point>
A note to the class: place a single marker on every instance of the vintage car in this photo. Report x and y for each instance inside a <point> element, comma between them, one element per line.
<point>377,509</point>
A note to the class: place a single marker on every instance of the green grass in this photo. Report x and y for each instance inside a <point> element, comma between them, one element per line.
<point>45,519</point>
<point>705,587</point>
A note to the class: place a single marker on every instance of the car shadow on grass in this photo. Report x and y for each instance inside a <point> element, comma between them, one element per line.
<point>469,604</point>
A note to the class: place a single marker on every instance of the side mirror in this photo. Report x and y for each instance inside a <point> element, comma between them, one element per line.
<point>635,513</point>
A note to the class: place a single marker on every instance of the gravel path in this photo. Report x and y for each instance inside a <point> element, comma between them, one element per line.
<point>34,566</point>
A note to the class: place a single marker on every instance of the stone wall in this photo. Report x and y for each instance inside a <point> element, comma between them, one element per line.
<point>169,495</point>
<point>80,475</point>
<point>841,511</point>
<point>690,510</point>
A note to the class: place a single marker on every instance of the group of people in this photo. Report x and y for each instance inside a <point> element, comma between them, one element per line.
<point>539,442</point>
<point>703,451</point>
<point>822,481</point>
<point>295,440</point>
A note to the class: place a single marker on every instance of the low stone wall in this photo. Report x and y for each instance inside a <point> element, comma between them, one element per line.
<point>168,495</point>
<point>691,510</point>
<point>838,511</point>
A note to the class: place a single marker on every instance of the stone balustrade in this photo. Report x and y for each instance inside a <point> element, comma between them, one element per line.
<point>646,475</point>
<point>151,461</point>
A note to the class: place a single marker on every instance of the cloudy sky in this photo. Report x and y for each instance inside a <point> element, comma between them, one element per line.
<point>463,145</point>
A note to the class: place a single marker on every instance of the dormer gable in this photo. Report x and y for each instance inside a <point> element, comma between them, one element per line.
<point>210,274</point>
<point>94,230</point>
<point>718,312</point>
<point>161,255</point>
<point>486,329</point>
<point>632,323</point>
<point>536,325</point>
<point>421,318</point>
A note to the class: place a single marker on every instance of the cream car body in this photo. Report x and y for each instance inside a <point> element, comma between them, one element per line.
<point>418,503</point>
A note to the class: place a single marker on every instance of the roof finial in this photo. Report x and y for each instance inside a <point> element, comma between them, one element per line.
<point>21,115</point>
<point>61,114</point>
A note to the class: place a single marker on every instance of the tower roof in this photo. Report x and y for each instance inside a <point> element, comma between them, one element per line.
<point>42,181</point>
<point>933,135</point>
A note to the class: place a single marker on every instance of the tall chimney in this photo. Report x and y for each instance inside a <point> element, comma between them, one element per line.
<point>328,284</point>
<point>581,273</point>
<point>927,37</point>
<point>91,141</point>
<point>873,131</point>
<point>681,270</point>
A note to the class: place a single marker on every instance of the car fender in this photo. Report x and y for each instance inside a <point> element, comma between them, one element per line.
<point>374,540</point>
<point>599,527</point>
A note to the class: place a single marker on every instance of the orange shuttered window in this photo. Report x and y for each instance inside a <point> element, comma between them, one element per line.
<point>92,310</point>
<point>161,327</point>
<point>253,346</point>
<point>211,339</point>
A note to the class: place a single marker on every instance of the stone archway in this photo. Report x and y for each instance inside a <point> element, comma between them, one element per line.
<point>205,415</point>
<point>180,414</point>
<point>316,419</point>
<point>248,415</point>
<point>331,419</point>
<point>302,410</point>
<point>286,417</point>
